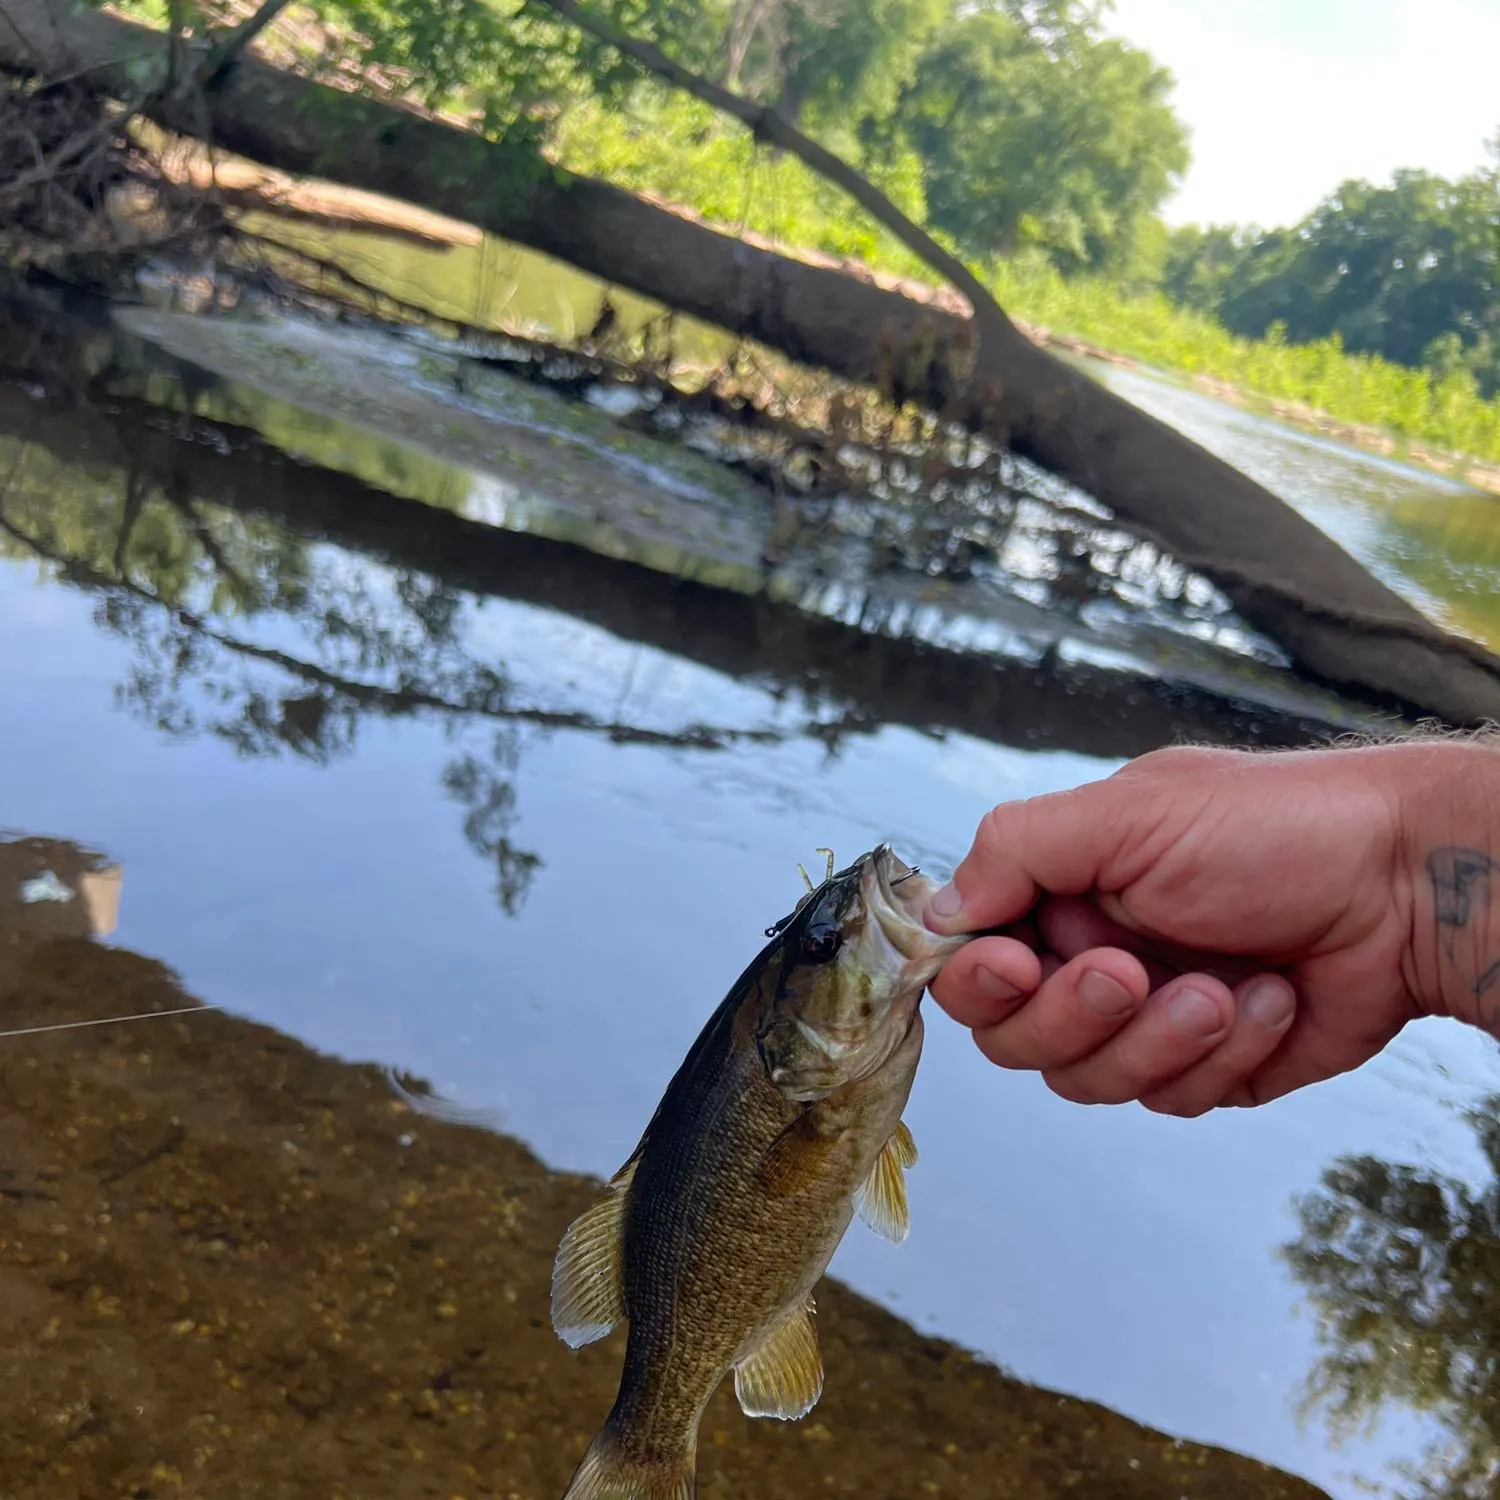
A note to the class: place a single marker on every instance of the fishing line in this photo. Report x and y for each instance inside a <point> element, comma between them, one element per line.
<point>432,1105</point>
<point>145,1015</point>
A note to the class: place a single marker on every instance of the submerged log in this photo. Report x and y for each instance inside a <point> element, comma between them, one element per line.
<point>1284,576</point>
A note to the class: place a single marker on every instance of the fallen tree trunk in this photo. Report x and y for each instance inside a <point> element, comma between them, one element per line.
<point>303,201</point>
<point>1283,575</point>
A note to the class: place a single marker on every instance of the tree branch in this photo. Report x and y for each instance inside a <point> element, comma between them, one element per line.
<point>234,42</point>
<point>1285,576</point>
<point>767,125</point>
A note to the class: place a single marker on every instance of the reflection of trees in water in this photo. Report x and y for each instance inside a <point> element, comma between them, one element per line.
<point>1403,1268</point>
<point>488,795</point>
<point>1452,550</point>
<point>280,647</point>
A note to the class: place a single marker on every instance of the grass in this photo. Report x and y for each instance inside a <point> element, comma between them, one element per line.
<point>1359,389</point>
<point>677,148</point>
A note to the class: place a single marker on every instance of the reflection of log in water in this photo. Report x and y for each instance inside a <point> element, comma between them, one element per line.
<point>230,1267</point>
<point>873,678</point>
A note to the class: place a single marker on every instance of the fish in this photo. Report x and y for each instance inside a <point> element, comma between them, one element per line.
<point>782,1122</point>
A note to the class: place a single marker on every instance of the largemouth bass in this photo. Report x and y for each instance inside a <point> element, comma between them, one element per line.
<point>783,1120</point>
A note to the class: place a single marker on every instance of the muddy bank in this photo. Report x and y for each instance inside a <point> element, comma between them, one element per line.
<point>230,1266</point>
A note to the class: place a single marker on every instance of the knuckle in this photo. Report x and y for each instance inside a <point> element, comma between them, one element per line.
<point>1173,759</point>
<point>994,1046</point>
<point>997,831</point>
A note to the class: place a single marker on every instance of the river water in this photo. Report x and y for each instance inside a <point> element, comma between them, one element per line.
<point>496,810</point>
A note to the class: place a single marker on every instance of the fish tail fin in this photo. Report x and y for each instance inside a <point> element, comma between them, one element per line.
<point>609,1472</point>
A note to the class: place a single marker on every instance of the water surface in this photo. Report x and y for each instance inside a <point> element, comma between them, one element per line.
<point>1435,540</point>
<point>511,816</point>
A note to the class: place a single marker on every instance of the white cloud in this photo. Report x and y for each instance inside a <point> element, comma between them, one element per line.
<point>1286,98</point>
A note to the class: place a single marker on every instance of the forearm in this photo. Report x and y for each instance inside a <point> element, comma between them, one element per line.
<point>1450,812</point>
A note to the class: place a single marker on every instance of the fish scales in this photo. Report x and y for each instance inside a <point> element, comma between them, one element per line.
<point>782,1121</point>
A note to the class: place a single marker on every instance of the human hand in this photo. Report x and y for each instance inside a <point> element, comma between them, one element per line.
<point>1217,927</point>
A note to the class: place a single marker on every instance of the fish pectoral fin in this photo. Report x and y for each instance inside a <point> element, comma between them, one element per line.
<point>904,1145</point>
<point>794,1160</point>
<point>783,1376</point>
<point>588,1290</point>
<point>881,1198</point>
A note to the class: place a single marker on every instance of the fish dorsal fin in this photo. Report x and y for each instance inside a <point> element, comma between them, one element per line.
<point>881,1198</point>
<point>783,1376</point>
<point>588,1292</point>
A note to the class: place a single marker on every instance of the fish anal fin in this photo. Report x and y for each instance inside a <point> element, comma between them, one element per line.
<point>783,1376</point>
<point>607,1472</point>
<point>588,1293</point>
<point>881,1198</point>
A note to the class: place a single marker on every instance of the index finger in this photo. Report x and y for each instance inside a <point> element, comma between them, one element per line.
<point>1060,843</point>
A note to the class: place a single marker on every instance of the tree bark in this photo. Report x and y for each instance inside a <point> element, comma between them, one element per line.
<point>1284,576</point>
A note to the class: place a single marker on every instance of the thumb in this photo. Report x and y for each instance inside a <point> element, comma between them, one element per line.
<point>1063,844</point>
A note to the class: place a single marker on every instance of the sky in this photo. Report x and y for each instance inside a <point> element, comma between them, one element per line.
<point>1287,98</point>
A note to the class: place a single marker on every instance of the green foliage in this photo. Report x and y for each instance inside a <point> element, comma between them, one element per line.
<point>829,64</point>
<point>672,145</point>
<point>1444,411</point>
<point>1391,270</point>
<point>1199,261</point>
<point>1036,130</point>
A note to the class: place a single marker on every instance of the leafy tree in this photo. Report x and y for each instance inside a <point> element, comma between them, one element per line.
<point>1403,1268</point>
<point>1199,263</point>
<point>1036,129</point>
<point>1409,271</point>
<point>835,63</point>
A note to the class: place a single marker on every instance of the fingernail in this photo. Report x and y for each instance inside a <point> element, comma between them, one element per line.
<point>1269,1003</point>
<point>992,986</point>
<point>1104,994</point>
<point>1195,1014</point>
<point>946,903</point>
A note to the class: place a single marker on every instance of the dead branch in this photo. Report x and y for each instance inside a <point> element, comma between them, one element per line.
<point>767,125</point>
<point>225,52</point>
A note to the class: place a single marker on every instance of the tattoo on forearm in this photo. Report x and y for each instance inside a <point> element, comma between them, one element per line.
<point>1461,887</point>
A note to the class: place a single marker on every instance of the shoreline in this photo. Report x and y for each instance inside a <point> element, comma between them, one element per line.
<point>1376,440</point>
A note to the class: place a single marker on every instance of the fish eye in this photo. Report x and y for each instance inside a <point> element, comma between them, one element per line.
<point>821,942</point>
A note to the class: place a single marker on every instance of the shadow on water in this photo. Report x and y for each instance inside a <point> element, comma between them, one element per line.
<point>231,1265</point>
<point>846,678</point>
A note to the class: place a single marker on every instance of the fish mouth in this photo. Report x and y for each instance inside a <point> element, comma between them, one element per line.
<point>895,895</point>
